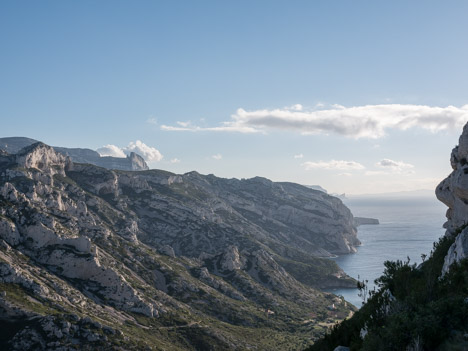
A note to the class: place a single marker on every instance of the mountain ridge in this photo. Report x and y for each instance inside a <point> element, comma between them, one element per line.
<point>114,259</point>
<point>133,161</point>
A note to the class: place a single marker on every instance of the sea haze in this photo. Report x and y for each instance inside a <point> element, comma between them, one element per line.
<point>409,225</point>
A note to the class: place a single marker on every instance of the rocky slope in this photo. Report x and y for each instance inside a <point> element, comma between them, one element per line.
<point>421,307</point>
<point>132,162</point>
<point>103,259</point>
<point>453,192</point>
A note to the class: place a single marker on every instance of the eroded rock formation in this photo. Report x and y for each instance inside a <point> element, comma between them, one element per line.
<point>453,192</point>
<point>87,252</point>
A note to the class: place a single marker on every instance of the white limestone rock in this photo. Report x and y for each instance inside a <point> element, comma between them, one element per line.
<point>89,269</point>
<point>457,251</point>
<point>231,259</point>
<point>9,232</point>
<point>13,274</point>
<point>130,231</point>
<point>167,250</point>
<point>43,158</point>
<point>9,192</point>
<point>453,192</point>
<point>40,235</point>
<point>59,214</point>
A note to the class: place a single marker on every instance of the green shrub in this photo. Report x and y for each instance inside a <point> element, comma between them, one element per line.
<point>414,305</point>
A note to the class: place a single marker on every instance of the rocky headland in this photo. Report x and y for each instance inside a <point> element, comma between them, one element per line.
<point>365,221</point>
<point>109,259</point>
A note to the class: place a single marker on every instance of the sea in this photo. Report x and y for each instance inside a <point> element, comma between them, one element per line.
<point>409,225</point>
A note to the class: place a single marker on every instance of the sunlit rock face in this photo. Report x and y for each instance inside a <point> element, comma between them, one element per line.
<point>133,162</point>
<point>82,245</point>
<point>453,192</point>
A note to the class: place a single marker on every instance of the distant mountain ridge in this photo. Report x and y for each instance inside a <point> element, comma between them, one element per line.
<point>132,162</point>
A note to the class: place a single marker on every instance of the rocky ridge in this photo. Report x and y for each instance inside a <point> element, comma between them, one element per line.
<point>113,259</point>
<point>133,162</point>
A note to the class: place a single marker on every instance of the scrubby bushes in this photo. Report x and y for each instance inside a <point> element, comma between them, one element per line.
<point>415,308</point>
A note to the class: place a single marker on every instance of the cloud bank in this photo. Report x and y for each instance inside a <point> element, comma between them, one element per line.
<point>394,165</point>
<point>333,164</point>
<point>388,166</point>
<point>111,150</point>
<point>369,121</point>
<point>147,152</point>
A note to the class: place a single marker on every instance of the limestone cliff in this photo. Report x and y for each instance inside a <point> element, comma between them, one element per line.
<point>110,259</point>
<point>453,192</point>
<point>132,162</point>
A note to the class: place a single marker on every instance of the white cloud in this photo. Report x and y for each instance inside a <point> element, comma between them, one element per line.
<point>296,107</point>
<point>395,166</point>
<point>369,121</point>
<point>387,163</point>
<point>184,124</point>
<point>333,164</point>
<point>147,152</point>
<point>345,174</point>
<point>175,160</point>
<point>111,150</point>
<point>217,157</point>
<point>388,166</point>
<point>226,127</point>
<point>299,156</point>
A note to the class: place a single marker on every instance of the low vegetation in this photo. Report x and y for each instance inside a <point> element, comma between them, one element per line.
<point>415,308</point>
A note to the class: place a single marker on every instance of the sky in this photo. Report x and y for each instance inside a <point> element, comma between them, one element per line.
<point>355,96</point>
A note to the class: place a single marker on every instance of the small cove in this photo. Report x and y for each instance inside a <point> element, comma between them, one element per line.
<point>409,225</point>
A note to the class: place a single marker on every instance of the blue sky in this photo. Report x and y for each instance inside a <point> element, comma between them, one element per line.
<point>215,86</point>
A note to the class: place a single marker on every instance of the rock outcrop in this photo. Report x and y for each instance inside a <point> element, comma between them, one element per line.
<point>365,221</point>
<point>132,162</point>
<point>458,251</point>
<point>105,258</point>
<point>453,192</point>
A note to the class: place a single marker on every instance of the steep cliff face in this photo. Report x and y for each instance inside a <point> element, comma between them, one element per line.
<point>173,261</point>
<point>283,216</point>
<point>132,162</point>
<point>453,192</point>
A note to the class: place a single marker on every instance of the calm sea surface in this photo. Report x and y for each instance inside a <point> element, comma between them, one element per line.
<point>408,228</point>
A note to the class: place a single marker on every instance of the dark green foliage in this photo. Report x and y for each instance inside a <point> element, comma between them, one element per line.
<point>314,272</point>
<point>414,308</point>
